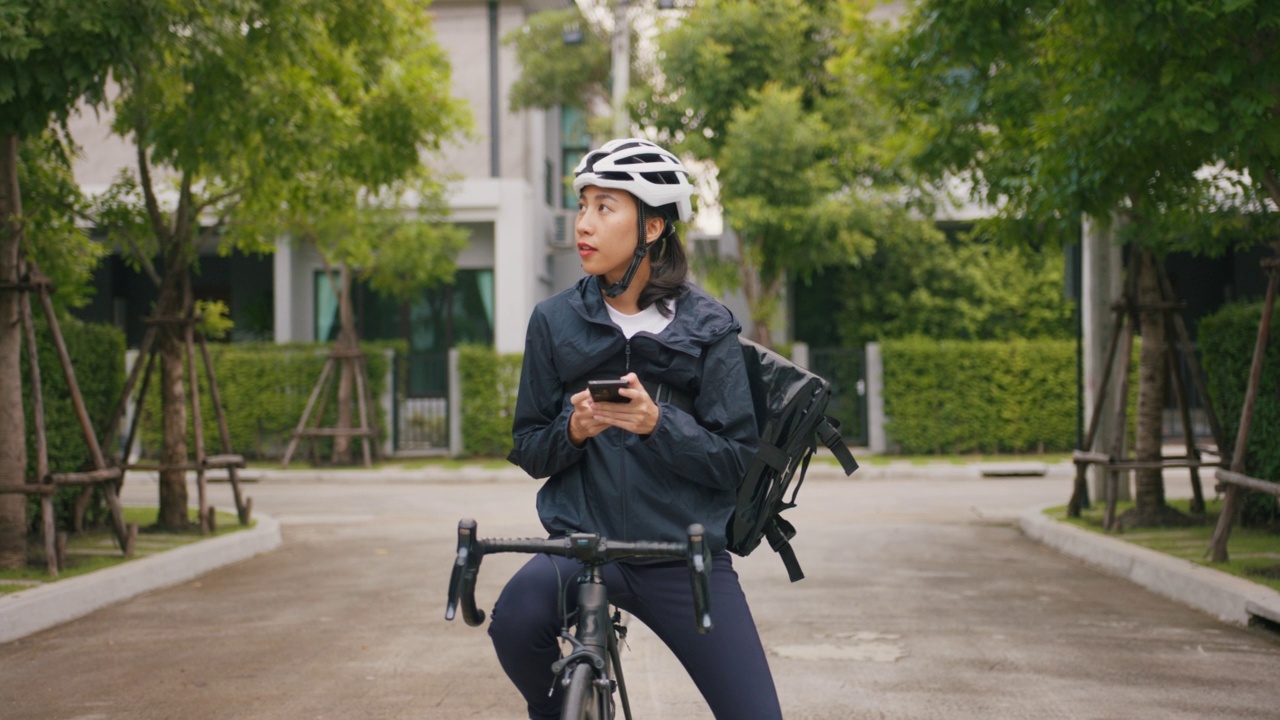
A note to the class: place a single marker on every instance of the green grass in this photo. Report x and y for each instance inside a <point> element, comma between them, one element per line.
<point>447,463</point>
<point>1254,553</point>
<point>974,459</point>
<point>97,549</point>
<point>426,463</point>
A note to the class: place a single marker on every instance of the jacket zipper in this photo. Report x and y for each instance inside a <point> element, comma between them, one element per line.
<point>628,353</point>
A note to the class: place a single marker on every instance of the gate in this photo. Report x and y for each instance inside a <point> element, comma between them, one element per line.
<point>846,370</point>
<point>422,402</point>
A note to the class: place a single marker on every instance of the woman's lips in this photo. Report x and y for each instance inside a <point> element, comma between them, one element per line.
<point>585,250</point>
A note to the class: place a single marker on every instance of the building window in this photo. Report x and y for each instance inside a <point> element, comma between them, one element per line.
<point>326,305</point>
<point>438,319</point>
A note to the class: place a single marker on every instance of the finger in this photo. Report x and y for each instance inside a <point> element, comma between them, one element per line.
<point>635,389</point>
<point>635,417</point>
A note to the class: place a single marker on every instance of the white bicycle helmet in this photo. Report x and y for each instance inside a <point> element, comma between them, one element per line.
<point>641,168</point>
<point>651,174</point>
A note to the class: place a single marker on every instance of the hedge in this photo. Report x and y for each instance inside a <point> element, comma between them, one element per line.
<point>940,397</point>
<point>97,358</point>
<point>490,382</point>
<point>963,397</point>
<point>264,389</point>
<point>1227,340</point>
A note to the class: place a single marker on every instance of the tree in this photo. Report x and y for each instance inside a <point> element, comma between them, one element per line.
<point>56,212</point>
<point>399,251</point>
<point>781,195</point>
<point>53,53</point>
<point>745,88</point>
<point>253,111</point>
<point>370,204</point>
<point>566,60</point>
<point>721,67</point>
<point>1058,108</point>
<point>929,284</point>
<point>554,72</point>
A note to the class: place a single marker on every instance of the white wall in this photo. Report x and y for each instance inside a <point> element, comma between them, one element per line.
<point>514,202</point>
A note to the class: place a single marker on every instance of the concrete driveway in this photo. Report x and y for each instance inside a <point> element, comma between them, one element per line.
<point>922,601</point>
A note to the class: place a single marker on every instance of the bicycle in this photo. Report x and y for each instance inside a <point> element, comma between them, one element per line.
<point>592,670</point>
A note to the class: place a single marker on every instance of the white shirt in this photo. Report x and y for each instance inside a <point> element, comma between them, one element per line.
<point>649,319</point>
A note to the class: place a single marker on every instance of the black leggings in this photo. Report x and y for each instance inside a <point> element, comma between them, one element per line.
<point>728,665</point>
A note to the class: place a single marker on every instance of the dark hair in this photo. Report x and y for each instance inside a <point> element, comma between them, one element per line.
<point>668,264</point>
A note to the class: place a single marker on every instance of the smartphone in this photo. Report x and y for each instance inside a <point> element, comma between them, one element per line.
<point>607,390</point>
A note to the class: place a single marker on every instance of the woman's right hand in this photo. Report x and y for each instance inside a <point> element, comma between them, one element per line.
<point>583,423</point>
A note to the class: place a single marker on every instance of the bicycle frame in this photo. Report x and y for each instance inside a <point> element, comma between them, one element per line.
<point>594,642</point>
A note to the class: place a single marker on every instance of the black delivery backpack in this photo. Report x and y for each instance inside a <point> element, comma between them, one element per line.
<point>790,404</point>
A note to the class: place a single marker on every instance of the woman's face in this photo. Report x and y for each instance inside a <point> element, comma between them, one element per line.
<point>606,230</point>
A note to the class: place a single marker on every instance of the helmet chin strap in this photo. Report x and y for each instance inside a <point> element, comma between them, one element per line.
<point>642,249</point>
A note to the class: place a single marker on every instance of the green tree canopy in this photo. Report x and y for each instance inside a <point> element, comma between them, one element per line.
<point>1058,108</point>
<point>554,72</point>
<point>928,284</point>
<point>56,214</point>
<point>725,50</point>
<point>781,196</point>
<point>254,118</point>
<point>745,88</point>
<point>53,53</point>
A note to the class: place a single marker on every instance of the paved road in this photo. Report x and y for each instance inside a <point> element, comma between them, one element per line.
<point>922,601</point>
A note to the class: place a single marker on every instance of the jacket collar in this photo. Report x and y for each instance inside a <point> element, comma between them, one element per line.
<point>700,319</point>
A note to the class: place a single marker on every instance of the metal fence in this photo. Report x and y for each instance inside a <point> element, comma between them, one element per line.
<point>846,370</point>
<point>422,402</point>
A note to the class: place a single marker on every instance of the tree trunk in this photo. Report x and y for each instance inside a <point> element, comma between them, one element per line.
<point>762,298</point>
<point>1149,501</point>
<point>171,345</point>
<point>348,341</point>
<point>13,427</point>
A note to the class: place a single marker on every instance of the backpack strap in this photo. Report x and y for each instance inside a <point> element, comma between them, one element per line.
<point>772,455</point>
<point>829,434</point>
<point>779,532</point>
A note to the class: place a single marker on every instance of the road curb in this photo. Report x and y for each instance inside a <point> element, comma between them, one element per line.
<point>29,611</point>
<point>1224,596</point>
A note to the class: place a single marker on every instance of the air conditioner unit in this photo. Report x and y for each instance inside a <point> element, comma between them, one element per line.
<point>562,235</point>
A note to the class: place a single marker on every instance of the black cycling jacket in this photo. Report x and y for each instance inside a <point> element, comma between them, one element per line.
<point>623,485</point>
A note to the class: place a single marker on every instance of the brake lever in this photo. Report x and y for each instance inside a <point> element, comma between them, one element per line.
<point>700,577</point>
<point>462,581</point>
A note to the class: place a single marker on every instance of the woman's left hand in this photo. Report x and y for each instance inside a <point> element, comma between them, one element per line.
<point>639,416</point>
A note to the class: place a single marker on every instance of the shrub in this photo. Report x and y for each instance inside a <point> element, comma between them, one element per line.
<point>264,389</point>
<point>1227,339</point>
<point>97,358</point>
<point>951,396</point>
<point>959,397</point>
<point>489,385</point>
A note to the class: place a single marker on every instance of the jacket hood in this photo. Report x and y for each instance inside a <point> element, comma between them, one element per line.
<point>700,319</point>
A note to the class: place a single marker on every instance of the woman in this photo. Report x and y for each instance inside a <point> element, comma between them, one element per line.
<point>640,469</point>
